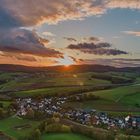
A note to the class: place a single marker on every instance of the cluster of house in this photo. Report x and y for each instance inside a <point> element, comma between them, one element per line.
<point>93,117</point>
<point>46,105</point>
<point>83,116</point>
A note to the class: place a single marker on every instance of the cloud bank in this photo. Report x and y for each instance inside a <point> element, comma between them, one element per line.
<point>25,42</point>
<point>16,14</point>
<point>97,49</point>
<point>35,12</point>
<point>117,62</point>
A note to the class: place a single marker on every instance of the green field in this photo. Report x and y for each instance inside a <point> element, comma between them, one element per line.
<point>121,99</point>
<point>51,84</point>
<point>24,82</point>
<point>8,126</point>
<point>64,137</point>
<point>5,103</point>
<point>133,99</point>
<point>119,94</point>
<point>50,91</point>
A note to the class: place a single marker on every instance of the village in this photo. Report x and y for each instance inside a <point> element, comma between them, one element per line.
<point>50,106</point>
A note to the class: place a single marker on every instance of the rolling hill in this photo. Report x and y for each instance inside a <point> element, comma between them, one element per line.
<point>72,68</point>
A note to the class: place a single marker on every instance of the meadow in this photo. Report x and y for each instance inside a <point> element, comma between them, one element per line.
<point>127,95</point>
<point>20,81</point>
<point>65,136</point>
<point>11,126</point>
<point>116,101</point>
<point>119,100</point>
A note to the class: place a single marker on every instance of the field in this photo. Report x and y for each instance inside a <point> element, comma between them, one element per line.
<point>64,136</point>
<point>24,81</point>
<point>119,100</point>
<point>118,94</point>
<point>5,103</point>
<point>123,98</point>
<point>116,101</point>
<point>11,126</point>
<point>127,95</point>
<point>49,91</point>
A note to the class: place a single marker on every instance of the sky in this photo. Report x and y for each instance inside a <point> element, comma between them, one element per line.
<point>63,32</point>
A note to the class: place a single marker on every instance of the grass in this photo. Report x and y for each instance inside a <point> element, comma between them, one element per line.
<point>118,101</point>
<point>132,99</point>
<point>96,104</point>
<point>65,136</point>
<point>18,81</point>
<point>7,126</point>
<point>112,108</point>
<point>7,76</point>
<point>81,80</point>
<point>25,81</point>
<point>50,91</point>
<point>39,80</point>
<point>117,94</point>
<point>77,79</point>
<point>5,103</point>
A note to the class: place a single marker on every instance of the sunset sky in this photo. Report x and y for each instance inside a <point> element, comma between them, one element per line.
<point>65,32</point>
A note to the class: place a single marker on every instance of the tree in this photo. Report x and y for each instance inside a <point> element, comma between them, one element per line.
<point>1,105</point>
<point>42,126</point>
<point>30,113</point>
<point>35,135</point>
<point>2,113</point>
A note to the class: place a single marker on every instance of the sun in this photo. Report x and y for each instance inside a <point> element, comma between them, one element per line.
<point>66,61</point>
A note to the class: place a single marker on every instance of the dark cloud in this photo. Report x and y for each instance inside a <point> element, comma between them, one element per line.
<point>97,49</point>
<point>75,59</point>
<point>8,21</point>
<point>86,46</point>
<point>70,39</point>
<point>128,60</point>
<point>92,39</point>
<point>26,42</point>
<point>117,62</point>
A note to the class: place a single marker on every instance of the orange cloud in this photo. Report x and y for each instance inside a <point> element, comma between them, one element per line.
<point>25,59</point>
<point>35,12</point>
<point>135,33</point>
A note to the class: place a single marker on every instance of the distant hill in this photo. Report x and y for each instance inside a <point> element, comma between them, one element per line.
<point>72,68</point>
